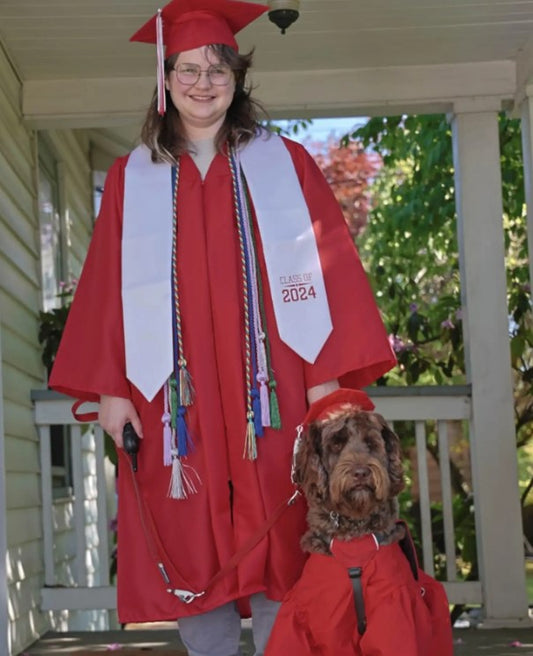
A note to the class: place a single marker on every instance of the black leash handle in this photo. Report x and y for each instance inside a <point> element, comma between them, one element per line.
<point>131,444</point>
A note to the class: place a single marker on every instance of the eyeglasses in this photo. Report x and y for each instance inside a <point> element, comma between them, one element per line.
<point>189,74</point>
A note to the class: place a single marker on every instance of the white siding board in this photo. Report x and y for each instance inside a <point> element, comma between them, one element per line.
<point>10,100</point>
<point>21,284</point>
<point>21,353</point>
<point>10,83</point>
<point>20,319</point>
<point>19,223</point>
<point>23,598</point>
<point>24,525</point>
<point>16,140</point>
<point>24,560</point>
<point>15,187</point>
<point>18,385</point>
<point>24,308</point>
<point>17,168</point>
<point>20,256</point>
<point>18,423</point>
<point>22,456</point>
<point>22,490</point>
<point>27,623</point>
<point>16,146</point>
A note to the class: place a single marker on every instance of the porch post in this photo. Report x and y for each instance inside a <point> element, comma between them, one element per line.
<point>527,154</point>
<point>4,622</point>
<point>483,288</point>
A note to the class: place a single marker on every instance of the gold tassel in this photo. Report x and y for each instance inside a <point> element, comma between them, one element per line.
<point>186,388</point>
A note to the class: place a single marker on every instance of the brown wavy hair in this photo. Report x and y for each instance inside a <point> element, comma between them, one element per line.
<point>165,135</point>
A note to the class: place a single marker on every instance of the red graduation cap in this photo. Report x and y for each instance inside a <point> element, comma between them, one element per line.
<point>340,398</point>
<point>188,24</point>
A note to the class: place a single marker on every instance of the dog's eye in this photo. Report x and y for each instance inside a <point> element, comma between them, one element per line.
<point>337,442</point>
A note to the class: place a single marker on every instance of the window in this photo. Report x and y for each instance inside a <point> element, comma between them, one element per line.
<point>52,273</point>
<point>50,228</point>
<point>61,461</point>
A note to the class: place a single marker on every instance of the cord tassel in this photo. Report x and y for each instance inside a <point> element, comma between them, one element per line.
<point>176,489</point>
<point>167,440</point>
<point>182,483</point>
<point>250,446</point>
<point>186,388</point>
<point>263,396</point>
<point>173,402</point>
<point>167,430</point>
<point>256,409</point>
<point>182,432</point>
<point>275,416</point>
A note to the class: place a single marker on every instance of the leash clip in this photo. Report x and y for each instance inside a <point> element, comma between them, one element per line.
<point>294,498</point>
<point>185,595</point>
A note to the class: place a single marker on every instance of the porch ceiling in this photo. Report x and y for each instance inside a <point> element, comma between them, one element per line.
<point>418,49</point>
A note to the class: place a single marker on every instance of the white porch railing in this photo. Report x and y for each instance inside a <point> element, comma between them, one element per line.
<point>86,584</point>
<point>430,408</point>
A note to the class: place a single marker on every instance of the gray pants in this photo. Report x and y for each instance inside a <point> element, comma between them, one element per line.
<point>218,632</point>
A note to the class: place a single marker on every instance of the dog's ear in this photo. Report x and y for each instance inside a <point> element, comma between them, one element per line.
<point>395,466</point>
<point>308,470</point>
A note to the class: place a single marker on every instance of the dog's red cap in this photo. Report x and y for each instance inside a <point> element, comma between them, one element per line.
<point>341,397</point>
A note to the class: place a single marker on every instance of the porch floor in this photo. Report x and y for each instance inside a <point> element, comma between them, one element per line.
<point>165,641</point>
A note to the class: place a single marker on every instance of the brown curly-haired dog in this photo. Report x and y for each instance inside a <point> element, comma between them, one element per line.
<point>349,468</point>
<point>358,595</point>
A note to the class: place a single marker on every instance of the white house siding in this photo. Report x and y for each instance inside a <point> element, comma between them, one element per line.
<point>21,368</point>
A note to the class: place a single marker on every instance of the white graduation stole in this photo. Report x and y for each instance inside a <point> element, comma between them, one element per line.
<point>291,255</point>
<point>146,272</point>
<point>289,245</point>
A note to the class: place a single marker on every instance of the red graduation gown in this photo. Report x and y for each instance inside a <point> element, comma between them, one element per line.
<point>201,533</point>
<point>318,618</point>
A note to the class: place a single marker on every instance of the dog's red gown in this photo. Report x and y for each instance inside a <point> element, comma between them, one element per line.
<point>201,533</point>
<point>318,617</point>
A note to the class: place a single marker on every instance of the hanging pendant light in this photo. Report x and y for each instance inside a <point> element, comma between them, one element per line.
<point>283,13</point>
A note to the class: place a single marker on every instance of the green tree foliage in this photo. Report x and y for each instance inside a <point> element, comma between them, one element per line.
<point>410,247</point>
<point>410,251</point>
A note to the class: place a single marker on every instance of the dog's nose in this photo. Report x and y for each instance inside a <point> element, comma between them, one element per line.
<point>361,472</point>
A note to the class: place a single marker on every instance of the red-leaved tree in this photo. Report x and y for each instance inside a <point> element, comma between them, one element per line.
<point>349,171</point>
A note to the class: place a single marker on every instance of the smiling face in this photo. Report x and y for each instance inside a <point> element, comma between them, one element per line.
<point>202,106</point>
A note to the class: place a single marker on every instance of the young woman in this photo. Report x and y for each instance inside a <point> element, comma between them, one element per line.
<point>221,294</point>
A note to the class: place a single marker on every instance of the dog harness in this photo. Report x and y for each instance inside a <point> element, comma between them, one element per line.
<point>355,573</point>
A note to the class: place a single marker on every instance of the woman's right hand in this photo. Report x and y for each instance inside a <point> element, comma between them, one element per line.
<point>114,413</point>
